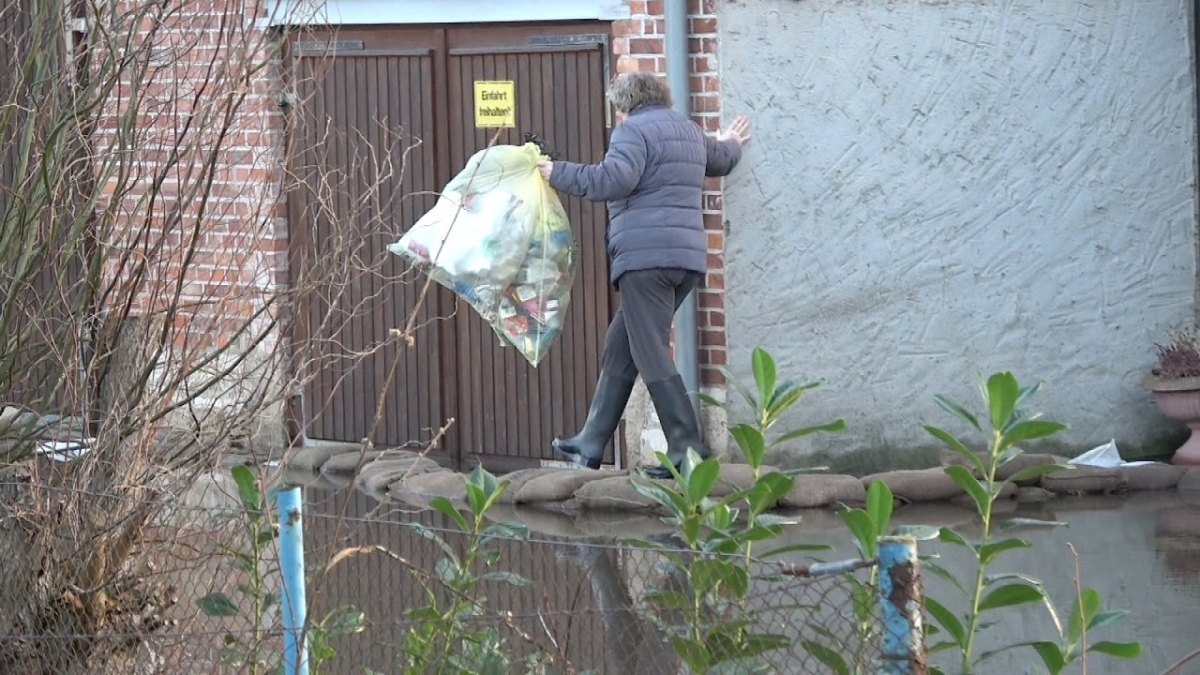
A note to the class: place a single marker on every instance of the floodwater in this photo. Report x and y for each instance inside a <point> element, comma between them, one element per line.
<point>1141,551</point>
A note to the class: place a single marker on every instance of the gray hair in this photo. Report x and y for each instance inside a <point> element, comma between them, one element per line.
<point>631,91</point>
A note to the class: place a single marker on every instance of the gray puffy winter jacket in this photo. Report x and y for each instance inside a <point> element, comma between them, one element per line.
<point>652,178</point>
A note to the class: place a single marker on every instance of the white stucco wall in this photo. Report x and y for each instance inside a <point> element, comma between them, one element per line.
<point>937,190</point>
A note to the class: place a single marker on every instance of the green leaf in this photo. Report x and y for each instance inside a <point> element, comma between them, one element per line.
<point>490,484</point>
<point>989,552</point>
<point>507,578</point>
<point>1089,602</point>
<point>918,532</point>
<point>797,548</point>
<point>476,498</point>
<point>774,520</point>
<point>1002,393</point>
<point>701,480</point>
<point>1008,455</point>
<point>944,573</point>
<point>832,427</point>
<point>672,500</point>
<point>692,652</point>
<point>751,399</point>
<point>1029,473</point>
<point>248,490</point>
<point>1031,430</point>
<point>1105,618</point>
<point>435,538</point>
<point>957,410</point>
<point>879,506</point>
<point>957,446</point>
<point>217,604</point>
<point>502,530</point>
<point>764,374</point>
<point>447,571</point>
<point>949,536</point>
<point>947,620</point>
<point>768,490</point>
<point>941,647</point>
<point>716,573</point>
<point>446,508</point>
<point>344,621</point>
<point>828,658</point>
<point>710,401</point>
<point>1121,650</point>
<point>963,479</point>
<point>482,490</point>
<point>668,600</point>
<point>864,531</point>
<point>1012,594</point>
<point>757,533</point>
<point>1010,576</point>
<point>751,441</point>
<point>864,600</point>
<point>786,396</point>
<point>1014,523</point>
<point>1027,392</point>
<point>1051,655</point>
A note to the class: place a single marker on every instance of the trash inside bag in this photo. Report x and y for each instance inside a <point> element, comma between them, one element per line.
<point>498,237</point>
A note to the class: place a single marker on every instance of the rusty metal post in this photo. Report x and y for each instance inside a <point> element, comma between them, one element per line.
<point>901,597</point>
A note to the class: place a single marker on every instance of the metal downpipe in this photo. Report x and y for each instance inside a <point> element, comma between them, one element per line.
<point>687,348</point>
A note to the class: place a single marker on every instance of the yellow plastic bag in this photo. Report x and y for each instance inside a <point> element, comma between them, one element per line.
<point>499,238</point>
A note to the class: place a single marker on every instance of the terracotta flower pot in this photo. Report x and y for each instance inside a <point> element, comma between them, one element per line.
<point>1179,399</point>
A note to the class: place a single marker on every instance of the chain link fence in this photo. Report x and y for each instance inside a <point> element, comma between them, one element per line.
<point>200,591</point>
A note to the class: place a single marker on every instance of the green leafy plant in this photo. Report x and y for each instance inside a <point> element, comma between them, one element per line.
<point>769,401</point>
<point>707,621</point>
<point>446,636</point>
<point>867,526</point>
<point>245,651</point>
<point>1005,427</point>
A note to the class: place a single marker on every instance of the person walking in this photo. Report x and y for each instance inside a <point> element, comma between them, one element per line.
<point>652,178</point>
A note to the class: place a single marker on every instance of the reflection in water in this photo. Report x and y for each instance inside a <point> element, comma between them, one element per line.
<point>1177,540</point>
<point>588,603</point>
<point>632,642</point>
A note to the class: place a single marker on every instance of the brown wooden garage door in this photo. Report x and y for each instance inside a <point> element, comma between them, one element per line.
<point>362,97</point>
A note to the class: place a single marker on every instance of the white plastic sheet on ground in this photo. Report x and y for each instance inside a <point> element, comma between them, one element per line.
<point>1106,456</point>
<point>498,237</point>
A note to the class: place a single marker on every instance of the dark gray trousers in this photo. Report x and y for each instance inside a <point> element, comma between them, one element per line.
<point>639,337</point>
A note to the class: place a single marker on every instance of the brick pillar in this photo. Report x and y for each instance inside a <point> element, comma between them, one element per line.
<point>639,45</point>
<point>203,204</point>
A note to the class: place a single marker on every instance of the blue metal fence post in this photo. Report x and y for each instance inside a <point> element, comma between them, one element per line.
<point>291,565</point>
<point>901,598</point>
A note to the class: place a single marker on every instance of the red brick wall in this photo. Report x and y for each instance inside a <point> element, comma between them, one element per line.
<point>211,94</point>
<point>639,45</point>
<point>244,242</point>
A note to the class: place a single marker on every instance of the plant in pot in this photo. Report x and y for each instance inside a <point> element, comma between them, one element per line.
<point>1175,384</point>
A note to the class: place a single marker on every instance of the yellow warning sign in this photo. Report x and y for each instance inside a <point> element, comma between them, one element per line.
<point>495,104</point>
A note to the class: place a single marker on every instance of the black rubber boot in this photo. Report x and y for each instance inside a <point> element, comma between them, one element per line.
<point>608,404</point>
<point>679,423</point>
